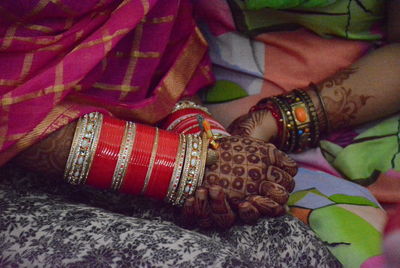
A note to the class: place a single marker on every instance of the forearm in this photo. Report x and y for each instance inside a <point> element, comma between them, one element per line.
<point>50,155</point>
<point>367,90</point>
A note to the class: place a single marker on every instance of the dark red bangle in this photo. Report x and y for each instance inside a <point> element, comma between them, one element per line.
<point>139,161</point>
<point>164,164</point>
<point>106,155</point>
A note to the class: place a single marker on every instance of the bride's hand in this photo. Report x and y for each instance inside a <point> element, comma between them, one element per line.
<point>250,178</point>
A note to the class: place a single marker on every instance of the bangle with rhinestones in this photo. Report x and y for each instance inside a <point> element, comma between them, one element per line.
<point>83,147</point>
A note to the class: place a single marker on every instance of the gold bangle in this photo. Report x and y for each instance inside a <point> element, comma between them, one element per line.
<point>194,170</point>
<point>83,147</point>
<point>73,153</point>
<point>176,174</point>
<point>185,171</point>
<point>151,164</point>
<point>185,104</point>
<point>98,122</point>
<point>212,157</point>
<point>203,159</point>
<point>124,155</point>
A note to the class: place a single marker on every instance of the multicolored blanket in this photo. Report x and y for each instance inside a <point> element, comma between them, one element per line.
<point>270,47</point>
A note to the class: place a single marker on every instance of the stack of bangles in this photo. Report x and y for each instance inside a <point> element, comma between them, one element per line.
<point>299,126</point>
<point>108,153</point>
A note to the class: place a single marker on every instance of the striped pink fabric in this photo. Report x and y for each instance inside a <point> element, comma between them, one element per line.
<point>60,59</point>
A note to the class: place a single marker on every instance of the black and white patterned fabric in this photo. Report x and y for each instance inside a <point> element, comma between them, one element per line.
<point>48,223</point>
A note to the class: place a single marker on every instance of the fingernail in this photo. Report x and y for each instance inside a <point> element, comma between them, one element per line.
<point>201,194</point>
<point>214,192</point>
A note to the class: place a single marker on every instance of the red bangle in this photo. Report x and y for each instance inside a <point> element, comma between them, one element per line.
<point>106,155</point>
<point>176,115</point>
<point>139,161</point>
<point>186,124</point>
<point>164,163</point>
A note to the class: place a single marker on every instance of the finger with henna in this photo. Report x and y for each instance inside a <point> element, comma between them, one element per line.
<point>248,213</point>
<point>266,206</point>
<point>187,214</point>
<point>281,177</point>
<point>202,209</point>
<point>221,211</point>
<point>274,191</point>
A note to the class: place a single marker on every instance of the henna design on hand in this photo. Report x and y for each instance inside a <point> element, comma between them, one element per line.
<point>247,124</point>
<point>221,212</point>
<point>50,155</point>
<point>248,166</point>
<point>281,177</point>
<point>266,206</point>
<point>274,191</point>
<point>202,208</point>
<point>248,212</point>
<point>187,217</point>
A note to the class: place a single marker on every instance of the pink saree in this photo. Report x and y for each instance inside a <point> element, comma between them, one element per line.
<point>62,59</point>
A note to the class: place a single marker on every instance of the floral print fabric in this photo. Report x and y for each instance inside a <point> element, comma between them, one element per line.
<point>47,223</point>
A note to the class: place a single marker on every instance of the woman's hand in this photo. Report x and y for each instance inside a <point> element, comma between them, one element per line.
<point>258,124</point>
<point>250,178</point>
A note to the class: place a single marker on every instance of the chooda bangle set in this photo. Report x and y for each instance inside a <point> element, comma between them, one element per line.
<point>108,153</point>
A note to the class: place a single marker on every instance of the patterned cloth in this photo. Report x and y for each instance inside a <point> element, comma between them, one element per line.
<point>356,20</point>
<point>46,223</point>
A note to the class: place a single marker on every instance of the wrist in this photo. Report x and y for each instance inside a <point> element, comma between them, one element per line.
<point>268,129</point>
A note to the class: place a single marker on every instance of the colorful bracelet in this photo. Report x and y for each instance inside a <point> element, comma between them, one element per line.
<point>296,119</point>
